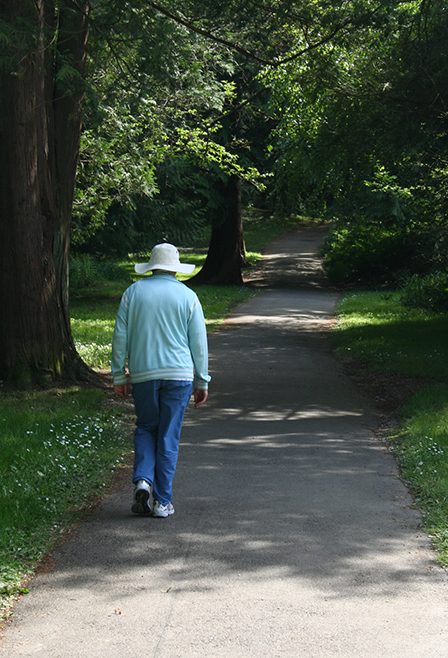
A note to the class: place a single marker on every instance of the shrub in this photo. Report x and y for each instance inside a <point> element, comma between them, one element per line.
<point>111,272</point>
<point>429,292</point>
<point>366,254</point>
<point>86,271</point>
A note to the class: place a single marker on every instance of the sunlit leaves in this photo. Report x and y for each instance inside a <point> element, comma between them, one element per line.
<point>362,125</point>
<point>154,89</point>
<point>117,160</point>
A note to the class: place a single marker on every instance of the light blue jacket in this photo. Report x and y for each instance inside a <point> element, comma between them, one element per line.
<point>160,327</point>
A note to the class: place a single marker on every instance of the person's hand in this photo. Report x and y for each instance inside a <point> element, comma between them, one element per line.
<point>121,390</point>
<point>199,397</point>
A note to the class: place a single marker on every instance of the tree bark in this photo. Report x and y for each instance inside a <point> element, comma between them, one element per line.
<point>40,128</point>
<point>226,253</point>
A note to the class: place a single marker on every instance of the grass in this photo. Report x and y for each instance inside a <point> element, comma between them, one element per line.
<point>373,327</point>
<point>60,448</point>
<point>59,451</point>
<point>421,447</point>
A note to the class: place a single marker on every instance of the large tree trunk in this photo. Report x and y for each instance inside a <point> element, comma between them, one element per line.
<point>40,127</point>
<point>226,253</point>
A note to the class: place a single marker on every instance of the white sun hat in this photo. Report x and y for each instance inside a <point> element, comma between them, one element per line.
<point>164,257</point>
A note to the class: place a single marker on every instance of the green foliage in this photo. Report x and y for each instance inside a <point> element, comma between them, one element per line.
<point>116,162</point>
<point>203,151</point>
<point>156,90</point>
<point>177,214</point>
<point>362,130</point>
<point>381,252</point>
<point>428,291</point>
<point>181,82</point>
<point>387,199</point>
<point>86,272</point>
<point>366,254</point>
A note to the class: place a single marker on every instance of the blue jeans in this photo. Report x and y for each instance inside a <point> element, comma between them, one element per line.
<point>160,406</point>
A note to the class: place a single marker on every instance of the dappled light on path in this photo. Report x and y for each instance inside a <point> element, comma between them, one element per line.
<point>291,262</point>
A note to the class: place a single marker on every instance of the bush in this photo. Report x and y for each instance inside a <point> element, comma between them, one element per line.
<point>366,254</point>
<point>84,271</point>
<point>429,292</point>
<point>111,272</point>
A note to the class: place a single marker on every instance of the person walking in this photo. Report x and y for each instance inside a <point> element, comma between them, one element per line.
<point>160,331</point>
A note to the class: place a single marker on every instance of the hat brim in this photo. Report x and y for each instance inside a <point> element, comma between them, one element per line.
<point>183,268</point>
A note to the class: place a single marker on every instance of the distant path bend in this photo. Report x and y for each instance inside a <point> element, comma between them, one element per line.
<point>291,261</point>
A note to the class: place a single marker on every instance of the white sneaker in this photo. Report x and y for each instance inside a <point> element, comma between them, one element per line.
<point>162,510</point>
<point>142,494</point>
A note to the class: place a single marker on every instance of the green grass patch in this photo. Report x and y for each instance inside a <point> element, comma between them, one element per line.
<point>421,447</point>
<point>93,327</point>
<point>375,328</point>
<point>59,450</point>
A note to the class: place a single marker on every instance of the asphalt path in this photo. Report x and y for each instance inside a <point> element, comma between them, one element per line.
<point>293,534</point>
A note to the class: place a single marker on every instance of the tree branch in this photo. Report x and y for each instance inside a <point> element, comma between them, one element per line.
<point>209,35</point>
<point>243,51</point>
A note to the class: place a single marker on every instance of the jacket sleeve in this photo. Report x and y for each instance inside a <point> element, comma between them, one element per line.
<point>197,338</point>
<point>120,342</point>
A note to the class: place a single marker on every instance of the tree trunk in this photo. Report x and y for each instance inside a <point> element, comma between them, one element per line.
<point>226,253</point>
<point>40,128</point>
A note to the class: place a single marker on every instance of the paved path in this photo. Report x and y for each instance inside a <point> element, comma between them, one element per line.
<point>293,536</point>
